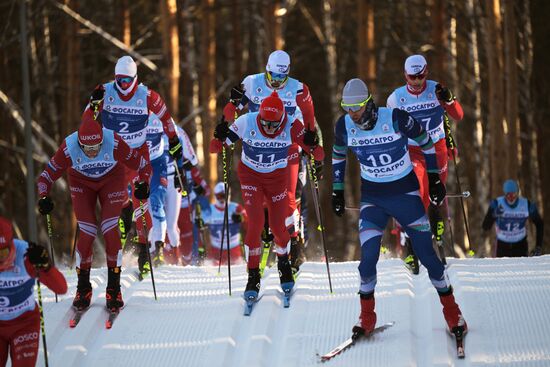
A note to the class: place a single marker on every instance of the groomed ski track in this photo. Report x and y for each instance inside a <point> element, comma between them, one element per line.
<point>506,303</point>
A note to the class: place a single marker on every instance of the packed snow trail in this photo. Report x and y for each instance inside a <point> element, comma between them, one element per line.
<point>506,303</point>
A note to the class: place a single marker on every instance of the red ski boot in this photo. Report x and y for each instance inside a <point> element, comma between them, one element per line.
<point>452,313</point>
<point>367,318</point>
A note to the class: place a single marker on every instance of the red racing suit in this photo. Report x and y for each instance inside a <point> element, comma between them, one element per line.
<point>110,188</point>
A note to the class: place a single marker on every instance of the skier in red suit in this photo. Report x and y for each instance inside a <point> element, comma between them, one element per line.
<point>20,263</point>
<point>263,173</point>
<point>95,158</point>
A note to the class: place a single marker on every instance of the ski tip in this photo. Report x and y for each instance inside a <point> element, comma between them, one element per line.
<point>72,323</point>
<point>108,324</point>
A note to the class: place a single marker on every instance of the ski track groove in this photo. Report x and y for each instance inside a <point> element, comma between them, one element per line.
<point>196,323</point>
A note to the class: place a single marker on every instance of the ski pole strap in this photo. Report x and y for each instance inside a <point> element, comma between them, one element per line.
<point>451,144</point>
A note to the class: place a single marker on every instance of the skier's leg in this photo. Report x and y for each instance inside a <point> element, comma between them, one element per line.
<point>156,203</point>
<point>186,233</point>
<point>172,203</point>
<point>419,166</point>
<point>25,339</point>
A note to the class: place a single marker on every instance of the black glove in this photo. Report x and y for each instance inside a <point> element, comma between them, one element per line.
<point>45,205</point>
<point>199,222</point>
<point>444,94</point>
<point>175,148</point>
<point>141,190</point>
<point>537,251</point>
<point>182,178</point>
<point>38,256</point>
<point>311,138</point>
<point>437,189</point>
<point>237,218</point>
<point>222,130</point>
<point>319,169</point>
<point>198,189</point>
<point>236,95</point>
<point>187,165</point>
<point>338,202</point>
<point>97,97</point>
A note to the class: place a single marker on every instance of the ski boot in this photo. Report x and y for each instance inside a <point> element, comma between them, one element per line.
<point>297,256</point>
<point>285,274</point>
<point>143,260</point>
<point>113,295</point>
<point>83,295</point>
<point>455,321</point>
<point>158,255</point>
<point>253,285</point>
<point>367,318</point>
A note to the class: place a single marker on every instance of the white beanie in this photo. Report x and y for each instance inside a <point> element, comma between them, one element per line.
<point>415,64</point>
<point>219,188</point>
<point>126,66</point>
<point>278,62</point>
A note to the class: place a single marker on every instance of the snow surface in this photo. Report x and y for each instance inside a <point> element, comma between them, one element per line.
<point>195,322</point>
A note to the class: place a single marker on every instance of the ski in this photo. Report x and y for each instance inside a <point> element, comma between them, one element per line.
<point>352,340</point>
<point>113,313</point>
<point>459,335</point>
<point>287,293</point>
<point>76,317</point>
<point>249,304</point>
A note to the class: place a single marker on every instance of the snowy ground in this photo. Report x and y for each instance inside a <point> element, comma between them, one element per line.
<point>195,322</point>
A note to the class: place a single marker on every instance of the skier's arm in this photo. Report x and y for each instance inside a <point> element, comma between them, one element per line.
<point>339,151</point>
<point>537,221</point>
<point>241,211</point>
<point>132,158</point>
<point>297,132</point>
<point>57,165</point>
<point>407,124</point>
<point>489,219</point>
<point>238,100</point>
<point>391,102</point>
<point>156,104</point>
<point>229,134</point>
<point>305,102</point>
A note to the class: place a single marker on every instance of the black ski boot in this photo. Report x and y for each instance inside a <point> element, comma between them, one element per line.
<point>253,285</point>
<point>143,260</point>
<point>113,295</point>
<point>158,258</point>
<point>297,256</point>
<point>285,274</point>
<point>83,295</point>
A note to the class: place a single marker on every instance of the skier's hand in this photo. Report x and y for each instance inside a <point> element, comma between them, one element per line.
<point>198,189</point>
<point>96,100</point>
<point>45,205</point>
<point>199,222</point>
<point>236,95</point>
<point>452,153</point>
<point>537,251</point>
<point>437,189</point>
<point>175,148</point>
<point>311,138</point>
<point>187,165</point>
<point>182,180</point>
<point>319,169</point>
<point>222,130</point>
<point>141,190</point>
<point>338,202</point>
<point>444,94</point>
<point>38,256</point>
<point>236,218</point>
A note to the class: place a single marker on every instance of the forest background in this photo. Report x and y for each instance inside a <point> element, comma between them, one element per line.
<point>494,55</point>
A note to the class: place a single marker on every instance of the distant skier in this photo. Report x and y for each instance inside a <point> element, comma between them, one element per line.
<point>263,173</point>
<point>124,106</point>
<point>298,102</point>
<point>510,212</point>
<point>214,219</point>
<point>430,103</point>
<point>20,263</point>
<point>95,159</point>
<point>389,187</point>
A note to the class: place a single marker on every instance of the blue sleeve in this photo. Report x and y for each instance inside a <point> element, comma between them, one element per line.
<point>412,129</point>
<point>339,151</point>
<point>538,222</point>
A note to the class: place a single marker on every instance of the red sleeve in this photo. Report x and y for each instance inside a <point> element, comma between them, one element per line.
<point>132,158</point>
<point>297,133</point>
<point>57,165</point>
<point>52,278</point>
<point>305,102</point>
<point>240,210</point>
<point>215,146</point>
<point>229,112</point>
<point>156,104</point>
<point>198,180</point>
<point>454,110</point>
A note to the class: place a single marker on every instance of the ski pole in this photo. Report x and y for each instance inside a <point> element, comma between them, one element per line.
<point>202,249</point>
<point>42,323</point>
<point>464,194</point>
<point>225,227</point>
<point>141,206</point>
<point>74,246</point>
<point>314,183</point>
<point>50,236</point>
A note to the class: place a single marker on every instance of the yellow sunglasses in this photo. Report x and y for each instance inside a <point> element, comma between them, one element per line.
<point>354,107</point>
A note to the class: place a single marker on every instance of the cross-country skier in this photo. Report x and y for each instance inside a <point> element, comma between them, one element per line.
<point>263,173</point>
<point>510,212</point>
<point>214,219</point>
<point>20,263</point>
<point>124,106</point>
<point>378,138</point>
<point>298,102</point>
<point>95,159</point>
<point>430,103</point>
